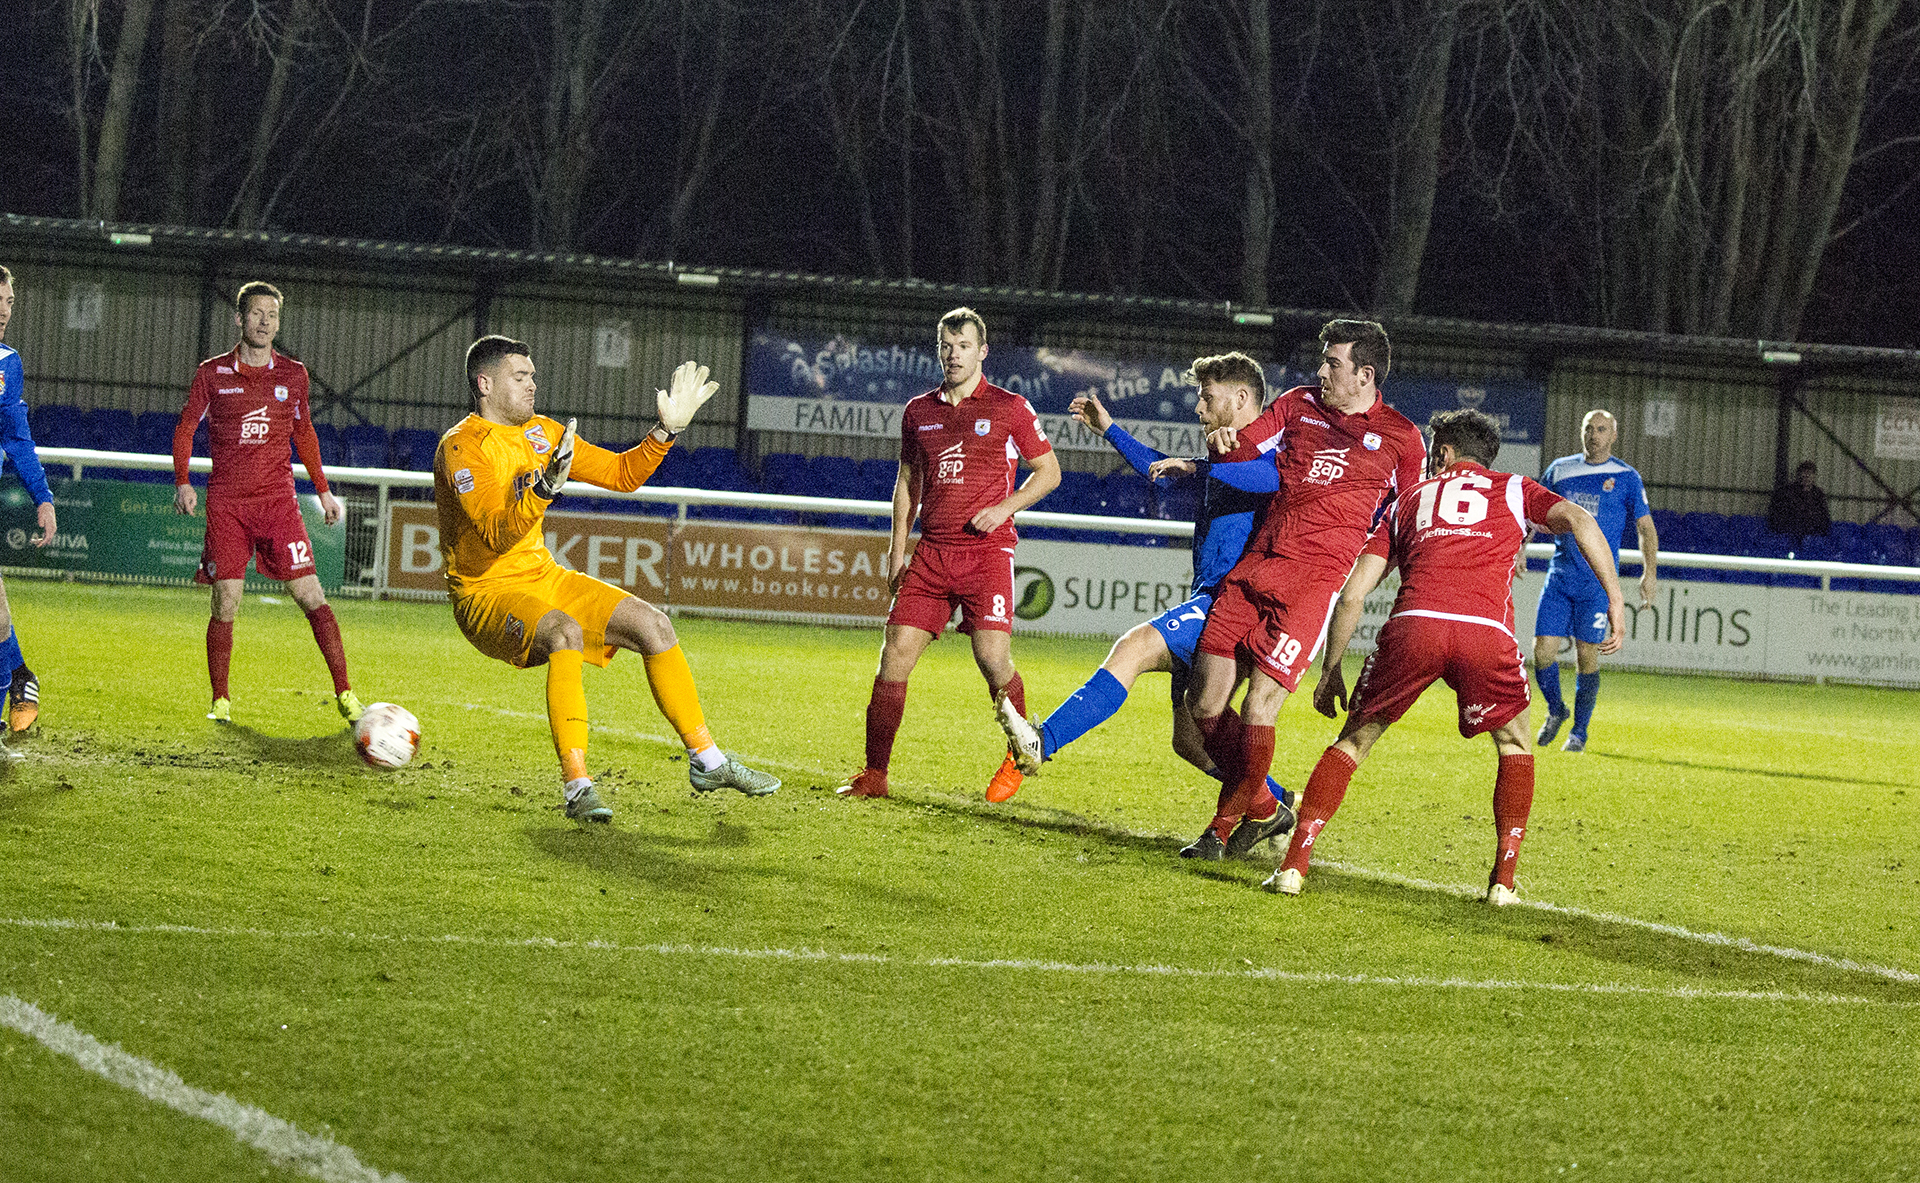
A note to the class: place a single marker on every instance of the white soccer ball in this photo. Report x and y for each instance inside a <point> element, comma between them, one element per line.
<point>386,736</point>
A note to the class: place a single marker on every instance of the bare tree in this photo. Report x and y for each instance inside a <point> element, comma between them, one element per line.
<point>102,161</point>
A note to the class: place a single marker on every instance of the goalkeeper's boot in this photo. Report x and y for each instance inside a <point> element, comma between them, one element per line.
<point>869,782</point>
<point>585,805</point>
<point>1555,721</point>
<point>1252,831</point>
<point>349,704</point>
<point>1207,846</point>
<point>731,775</point>
<point>1499,895</point>
<point>1285,882</point>
<point>23,700</point>
<point>1005,782</point>
<point>1023,739</point>
<point>222,711</point>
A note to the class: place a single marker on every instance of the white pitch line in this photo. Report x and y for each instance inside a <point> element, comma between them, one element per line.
<point>283,1142</point>
<point>1256,973</point>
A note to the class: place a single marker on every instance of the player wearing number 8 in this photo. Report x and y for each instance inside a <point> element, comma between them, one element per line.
<point>1454,538</point>
<point>254,399</point>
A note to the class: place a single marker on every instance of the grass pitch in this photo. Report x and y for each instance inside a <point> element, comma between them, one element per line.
<point>436,970</point>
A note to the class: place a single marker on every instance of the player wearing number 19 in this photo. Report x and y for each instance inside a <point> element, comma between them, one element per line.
<point>494,476</point>
<point>1454,537</point>
<point>254,398</point>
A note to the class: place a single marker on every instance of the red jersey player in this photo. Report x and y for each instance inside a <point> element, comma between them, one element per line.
<point>255,401</point>
<point>1342,453</point>
<point>959,447</point>
<point>1454,538</point>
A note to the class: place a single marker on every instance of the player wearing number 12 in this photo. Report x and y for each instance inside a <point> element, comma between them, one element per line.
<point>254,399</point>
<point>1454,537</point>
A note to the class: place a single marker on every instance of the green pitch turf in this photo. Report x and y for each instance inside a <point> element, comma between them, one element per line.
<point>435,970</point>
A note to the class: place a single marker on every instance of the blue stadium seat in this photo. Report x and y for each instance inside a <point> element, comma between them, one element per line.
<point>1125,494</point>
<point>834,476</point>
<point>365,445</point>
<point>1674,533</point>
<point>1079,492</point>
<point>1849,543</point>
<point>877,478</point>
<point>1179,502</point>
<point>413,448</point>
<point>783,472</point>
<point>58,426</point>
<point>153,432</point>
<point>111,429</point>
<point>1709,532</point>
<point>1888,544</point>
<point>330,449</point>
<point>676,471</point>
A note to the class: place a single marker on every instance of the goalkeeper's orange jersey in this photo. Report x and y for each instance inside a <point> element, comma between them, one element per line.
<point>490,516</point>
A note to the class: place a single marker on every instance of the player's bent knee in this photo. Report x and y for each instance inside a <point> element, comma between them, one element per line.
<point>1140,650</point>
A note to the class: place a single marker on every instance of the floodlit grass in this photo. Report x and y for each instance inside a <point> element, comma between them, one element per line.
<point>436,969</point>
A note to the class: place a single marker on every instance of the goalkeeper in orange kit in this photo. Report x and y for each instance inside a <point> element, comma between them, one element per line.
<point>494,475</point>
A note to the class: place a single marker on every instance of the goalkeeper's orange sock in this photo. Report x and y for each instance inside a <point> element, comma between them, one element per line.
<point>567,712</point>
<point>672,683</point>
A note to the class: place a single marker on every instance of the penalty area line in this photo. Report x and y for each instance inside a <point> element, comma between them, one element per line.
<point>825,956</point>
<point>286,1144</point>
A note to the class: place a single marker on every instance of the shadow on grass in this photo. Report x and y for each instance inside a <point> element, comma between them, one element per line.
<point>668,862</point>
<point>1774,773</point>
<point>333,751</point>
<point>1597,939</point>
<point>1574,936</point>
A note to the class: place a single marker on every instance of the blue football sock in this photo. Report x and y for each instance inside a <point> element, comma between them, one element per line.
<point>10,659</point>
<point>1586,692</point>
<point>1548,676</point>
<point>1089,706</point>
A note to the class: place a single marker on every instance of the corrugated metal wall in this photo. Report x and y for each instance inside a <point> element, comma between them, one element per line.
<point>387,344</point>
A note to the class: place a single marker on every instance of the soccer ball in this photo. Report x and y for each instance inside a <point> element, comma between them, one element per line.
<point>386,736</point>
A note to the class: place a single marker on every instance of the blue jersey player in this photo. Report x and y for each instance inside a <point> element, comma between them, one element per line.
<point>1573,604</point>
<point>1232,391</point>
<point>23,689</point>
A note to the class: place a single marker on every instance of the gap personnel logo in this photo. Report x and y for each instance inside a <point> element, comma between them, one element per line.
<point>1329,465</point>
<point>1033,597</point>
<point>982,426</point>
<point>953,461</point>
<point>537,436</point>
<point>280,394</point>
<point>254,426</point>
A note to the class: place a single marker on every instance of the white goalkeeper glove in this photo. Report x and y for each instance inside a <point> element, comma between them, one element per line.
<point>559,464</point>
<point>685,393</point>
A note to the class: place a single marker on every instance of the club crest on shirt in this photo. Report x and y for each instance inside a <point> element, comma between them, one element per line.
<point>1606,486</point>
<point>280,394</point>
<point>537,436</point>
<point>982,426</point>
<point>1371,441</point>
<point>3,384</point>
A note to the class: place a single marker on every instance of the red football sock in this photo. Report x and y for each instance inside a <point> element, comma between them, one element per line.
<point>884,709</point>
<point>326,630</point>
<point>1326,788</point>
<point>1256,756</point>
<point>1016,694</point>
<point>1221,735</point>
<point>219,654</point>
<point>1512,802</point>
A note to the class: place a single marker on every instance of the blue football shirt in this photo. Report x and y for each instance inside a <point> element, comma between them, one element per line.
<point>1611,491</point>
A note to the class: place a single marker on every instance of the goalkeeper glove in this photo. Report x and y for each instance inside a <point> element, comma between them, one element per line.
<point>559,464</point>
<point>684,395</point>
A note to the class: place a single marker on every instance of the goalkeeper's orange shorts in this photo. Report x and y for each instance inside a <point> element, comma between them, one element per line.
<point>501,622</point>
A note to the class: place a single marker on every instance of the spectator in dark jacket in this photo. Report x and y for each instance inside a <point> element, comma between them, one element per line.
<point>1799,509</point>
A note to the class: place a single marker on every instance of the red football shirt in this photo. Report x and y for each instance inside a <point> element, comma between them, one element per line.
<point>256,416</point>
<point>967,456</point>
<point>1335,471</point>
<point>1454,538</point>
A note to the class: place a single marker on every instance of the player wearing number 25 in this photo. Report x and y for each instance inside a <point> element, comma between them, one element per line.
<point>254,399</point>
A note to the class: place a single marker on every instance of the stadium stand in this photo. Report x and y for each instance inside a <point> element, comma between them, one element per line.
<point>413,448</point>
<point>365,445</point>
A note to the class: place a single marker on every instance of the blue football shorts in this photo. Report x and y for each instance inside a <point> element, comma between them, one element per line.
<point>1572,607</point>
<point>1180,627</point>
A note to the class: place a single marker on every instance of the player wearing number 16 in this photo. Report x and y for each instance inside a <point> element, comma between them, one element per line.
<point>1454,538</point>
<point>254,399</point>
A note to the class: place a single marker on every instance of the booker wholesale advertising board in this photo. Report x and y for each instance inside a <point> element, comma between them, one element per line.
<point>128,530</point>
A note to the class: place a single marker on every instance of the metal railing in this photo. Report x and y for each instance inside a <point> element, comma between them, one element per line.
<point>385,480</point>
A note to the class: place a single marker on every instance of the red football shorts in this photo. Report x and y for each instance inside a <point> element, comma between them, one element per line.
<point>977,578</point>
<point>266,528</point>
<point>1481,663</point>
<point>1275,612</point>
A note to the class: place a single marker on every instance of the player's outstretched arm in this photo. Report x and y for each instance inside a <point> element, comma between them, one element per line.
<point>1330,693</point>
<point>1249,476</point>
<point>1088,410</point>
<point>1568,518</point>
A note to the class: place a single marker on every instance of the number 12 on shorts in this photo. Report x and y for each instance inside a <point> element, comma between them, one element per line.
<point>301,553</point>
